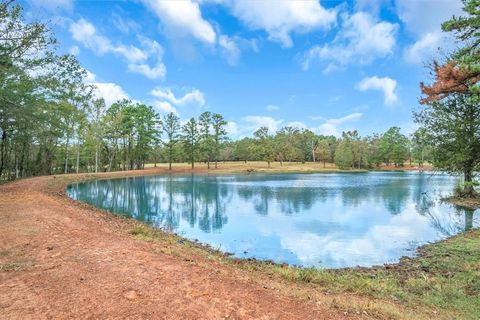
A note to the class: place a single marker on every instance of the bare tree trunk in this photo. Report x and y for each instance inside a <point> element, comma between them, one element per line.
<point>96,158</point>
<point>313,153</point>
<point>66,155</point>
<point>422,158</point>
<point>2,151</point>
<point>16,166</point>
<point>78,157</point>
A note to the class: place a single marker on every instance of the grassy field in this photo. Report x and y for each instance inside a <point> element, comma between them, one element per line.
<point>261,166</point>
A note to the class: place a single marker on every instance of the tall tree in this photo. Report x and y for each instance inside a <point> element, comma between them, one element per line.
<point>191,140</point>
<point>393,146</point>
<point>243,149</point>
<point>219,134</point>
<point>322,152</point>
<point>24,49</point>
<point>99,108</point>
<point>206,138</point>
<point>265,145</point>
<point>452,112</point>
<point>421,146</point>
<point>454,127</point>
<point>343,153</point>
<point>375,153</point>
<point>171,127</point>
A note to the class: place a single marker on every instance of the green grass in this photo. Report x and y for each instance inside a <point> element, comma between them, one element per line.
<point>445,277</point>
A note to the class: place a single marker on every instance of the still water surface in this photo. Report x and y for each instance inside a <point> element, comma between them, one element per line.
<point>328,220</point>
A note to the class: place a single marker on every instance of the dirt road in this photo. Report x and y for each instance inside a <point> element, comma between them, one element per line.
<point>60,259</point>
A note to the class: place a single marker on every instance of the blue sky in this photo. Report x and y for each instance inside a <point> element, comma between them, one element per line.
<point>324,65</point>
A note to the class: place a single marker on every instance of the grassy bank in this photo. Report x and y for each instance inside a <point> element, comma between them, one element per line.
<point>445,277</point>
<point>442,282</point>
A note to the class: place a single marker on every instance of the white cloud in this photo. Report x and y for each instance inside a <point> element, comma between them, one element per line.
<point>421,17</point>
<point>280,18</point>
<point>427,27</point>
<point>361,40</point>
<point>157,72</point>
<point>332,126</point>
<point>85,33</point>
<point>272,107</point>
<point>53,4</point>
<point>91,77</point>
<point>165,106</point>
<point>131,53</point>
<point>232,129</point>
<point>230,50</point>
<point>182,18</point>
<point>194,96</point>
<point>74,50</point>
<point>424,49</point>
<point>110,92</point>
<point>125,25</point>
<point>166,101</point>
<point>255,122</point>
<point>372,6</point>
<point>387,85</point>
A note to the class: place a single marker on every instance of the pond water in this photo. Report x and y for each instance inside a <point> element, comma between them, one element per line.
<point>327,220</point>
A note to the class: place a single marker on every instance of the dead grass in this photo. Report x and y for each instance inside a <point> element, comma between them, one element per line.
<point>16,266</point>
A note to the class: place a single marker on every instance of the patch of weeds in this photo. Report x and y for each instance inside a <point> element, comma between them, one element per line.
<point>444,279</point>
<point>145,232</point>
<point>15,266</point>
<point>74,258</point>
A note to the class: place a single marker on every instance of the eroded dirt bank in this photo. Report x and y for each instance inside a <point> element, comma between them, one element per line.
<point>62,259</point>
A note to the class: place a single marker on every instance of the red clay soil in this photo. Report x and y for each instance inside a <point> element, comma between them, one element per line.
<point>60,259</point>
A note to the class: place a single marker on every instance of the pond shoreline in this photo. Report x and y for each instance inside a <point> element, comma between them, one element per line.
<point>469,203</point>
<point>393,301</point>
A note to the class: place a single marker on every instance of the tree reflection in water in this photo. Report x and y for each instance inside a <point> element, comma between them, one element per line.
<point>161,201</point>
<point>385,212</point>
<point>202,200</point>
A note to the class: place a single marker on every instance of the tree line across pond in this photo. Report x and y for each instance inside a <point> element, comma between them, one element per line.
<point>52,122</point>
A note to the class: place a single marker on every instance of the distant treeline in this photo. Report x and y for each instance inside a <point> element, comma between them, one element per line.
<point>51,122</point>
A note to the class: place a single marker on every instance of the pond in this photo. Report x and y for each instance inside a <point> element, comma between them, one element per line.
<point>329,220</point>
